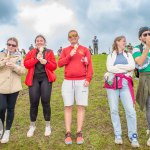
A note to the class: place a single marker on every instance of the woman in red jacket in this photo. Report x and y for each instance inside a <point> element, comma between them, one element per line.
<point>40,63</point>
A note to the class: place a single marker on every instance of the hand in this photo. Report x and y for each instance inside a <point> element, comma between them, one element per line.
<point>148,42</point>
<point>6,59</point>
<point>39,56</point>
<point>10,64</point>
<point>86,83</point>
<point>84,60</point>
<point>43,61</point>
<point>73,52</point>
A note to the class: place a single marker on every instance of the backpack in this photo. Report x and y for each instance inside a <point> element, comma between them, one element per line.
<point>136,71</point>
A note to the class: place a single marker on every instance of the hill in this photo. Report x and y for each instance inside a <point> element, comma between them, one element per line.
<point>97,131</point>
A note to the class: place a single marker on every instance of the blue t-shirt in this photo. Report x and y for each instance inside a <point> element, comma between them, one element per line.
<point>120,59</point>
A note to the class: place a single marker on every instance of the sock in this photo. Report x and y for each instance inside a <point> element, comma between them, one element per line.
<point>47,123</point>
<point>32,123</point>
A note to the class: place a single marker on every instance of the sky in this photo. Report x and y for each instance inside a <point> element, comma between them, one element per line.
<point>106,19</point>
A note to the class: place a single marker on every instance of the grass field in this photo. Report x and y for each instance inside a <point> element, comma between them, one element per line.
<point>98,132</point>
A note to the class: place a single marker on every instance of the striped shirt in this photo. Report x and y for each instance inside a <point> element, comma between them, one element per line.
<point>146,65</point>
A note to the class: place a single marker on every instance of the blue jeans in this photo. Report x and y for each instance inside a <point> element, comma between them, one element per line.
<point>126,99</point>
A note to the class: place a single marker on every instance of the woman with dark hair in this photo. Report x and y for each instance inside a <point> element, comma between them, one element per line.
<point>11,69</point>
<point>40,63</point>
<point>119,84</point>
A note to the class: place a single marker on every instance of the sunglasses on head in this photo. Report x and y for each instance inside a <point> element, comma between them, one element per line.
<point>146,34</point>
<point>73,35</point>
<point>13,45</point>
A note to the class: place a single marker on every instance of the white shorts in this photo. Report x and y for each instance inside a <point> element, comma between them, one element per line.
<point>74,90</point>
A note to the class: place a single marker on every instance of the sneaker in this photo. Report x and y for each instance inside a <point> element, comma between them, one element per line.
<point>6,136</point>
<point>134,141</point>
<point>118,139</point>
<point>47,131</point>
<point>80,139</point>
<point>68,139</point>
<point>148,142</point>
<point>147,132</point>
<point>30,133</point>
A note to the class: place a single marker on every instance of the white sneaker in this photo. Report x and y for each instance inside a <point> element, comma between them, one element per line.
<point>148,142</point>
<point>47,131</point>
<point>134,141</point>
<point>118,140</point>
<point>30,133</point>
<point>135,144</point>
<point>6,136</point>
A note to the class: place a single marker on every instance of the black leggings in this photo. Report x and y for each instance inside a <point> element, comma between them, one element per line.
<point>7,103</point>
<point>41,88</point>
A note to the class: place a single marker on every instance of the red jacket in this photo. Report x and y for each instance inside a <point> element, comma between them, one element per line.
<point>75,68</point>
<point>31,60</point>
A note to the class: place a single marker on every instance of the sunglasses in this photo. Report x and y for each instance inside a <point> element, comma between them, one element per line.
<point>72,35</point>
<point>146,34</point>
<point>11,45</point>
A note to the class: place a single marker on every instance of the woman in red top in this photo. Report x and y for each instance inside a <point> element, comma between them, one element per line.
<point>40,63</point>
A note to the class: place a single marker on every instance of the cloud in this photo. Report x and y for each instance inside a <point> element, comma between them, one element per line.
<point>116,17</point>
<point>51,19</point>
<point>47,18</point>
<point>8,12</point>
<point>54,18</point>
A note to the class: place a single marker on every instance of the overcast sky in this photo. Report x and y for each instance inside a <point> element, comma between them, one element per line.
<point>106,19</point>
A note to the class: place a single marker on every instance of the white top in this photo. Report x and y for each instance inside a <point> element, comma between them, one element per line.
<point>120,68</point>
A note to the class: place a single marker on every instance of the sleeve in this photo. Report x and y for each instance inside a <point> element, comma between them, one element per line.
<point>89,67</point>
<point>2,63</point>
<point>111,68</point>
<point>30,60</point>
<point>51,62</point>
<point>128,67</point>
<point>136,52</point>
<point>19,68</point>
<point>64,59</point>
<point>2,60</point>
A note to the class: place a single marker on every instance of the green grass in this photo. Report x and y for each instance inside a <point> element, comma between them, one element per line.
<point>98,131</point>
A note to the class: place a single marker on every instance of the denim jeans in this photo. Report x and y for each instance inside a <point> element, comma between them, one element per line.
<point>125,96</point>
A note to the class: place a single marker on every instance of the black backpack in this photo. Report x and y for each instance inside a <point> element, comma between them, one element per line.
<point>136,71</point>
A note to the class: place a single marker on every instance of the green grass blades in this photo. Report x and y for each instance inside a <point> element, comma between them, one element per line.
<point>97,131</point>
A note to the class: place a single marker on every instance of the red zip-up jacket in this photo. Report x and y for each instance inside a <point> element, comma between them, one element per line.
<point>31,60</point>
<point>75,68</point>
